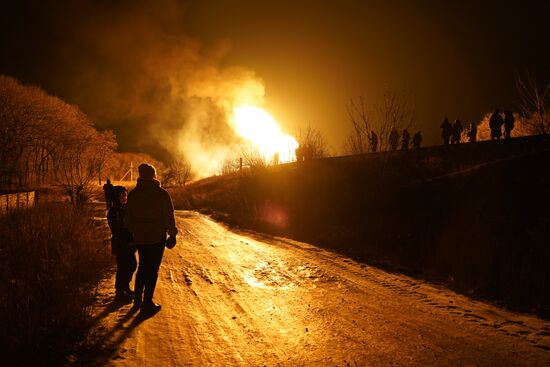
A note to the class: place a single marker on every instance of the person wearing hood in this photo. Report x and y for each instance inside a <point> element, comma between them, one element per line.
<point>121,245</point>
<point>149,216</point>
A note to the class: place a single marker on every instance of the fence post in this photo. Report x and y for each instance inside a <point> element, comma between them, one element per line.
<point>17,200</point>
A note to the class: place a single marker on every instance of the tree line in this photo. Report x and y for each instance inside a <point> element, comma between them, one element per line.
<point>45,140</point>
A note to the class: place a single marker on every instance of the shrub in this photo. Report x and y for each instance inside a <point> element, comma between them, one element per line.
<point>50,256</point>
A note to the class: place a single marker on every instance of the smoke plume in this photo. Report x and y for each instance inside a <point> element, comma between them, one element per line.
<point>132,67</point>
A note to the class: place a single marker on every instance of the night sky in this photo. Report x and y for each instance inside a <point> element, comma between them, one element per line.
<point>118,60</point>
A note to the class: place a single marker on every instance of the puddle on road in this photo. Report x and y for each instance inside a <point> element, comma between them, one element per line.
<point>277,274</point>
<point>268,274</point>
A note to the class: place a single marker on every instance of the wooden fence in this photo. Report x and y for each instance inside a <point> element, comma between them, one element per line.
<point>17,200</point>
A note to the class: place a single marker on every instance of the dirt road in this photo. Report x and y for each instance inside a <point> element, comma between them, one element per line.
<point>247,299</point>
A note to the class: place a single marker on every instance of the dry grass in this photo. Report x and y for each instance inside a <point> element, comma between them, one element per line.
<point>50,258</point>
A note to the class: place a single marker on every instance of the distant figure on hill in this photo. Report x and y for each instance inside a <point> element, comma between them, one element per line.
<point>276,158</point>
<point>108,188</point>
<point>393,138</point>
<point>149,216</point>
<point>509,122</point>
<point>307,152</point>
<point>456,132</point>
<point>495,124</point>
<point>417,140</point>
<point>405,137</point>
<point>373,142</point>
<point>121,246</point>
<point>446,130</point>
<point>299,154</point>
<point>472,133</point>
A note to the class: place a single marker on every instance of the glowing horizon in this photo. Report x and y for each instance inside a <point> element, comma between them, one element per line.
<point>259,127</point>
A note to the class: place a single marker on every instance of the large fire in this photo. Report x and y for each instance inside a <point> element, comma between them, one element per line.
<point>257,126</point>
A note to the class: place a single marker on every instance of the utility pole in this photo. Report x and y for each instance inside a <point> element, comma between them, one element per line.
<point>130,171</point>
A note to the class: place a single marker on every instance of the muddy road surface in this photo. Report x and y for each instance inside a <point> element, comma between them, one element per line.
<point>245,299</point>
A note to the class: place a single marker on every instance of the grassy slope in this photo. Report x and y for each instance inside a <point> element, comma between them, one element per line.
<point>474,216</point>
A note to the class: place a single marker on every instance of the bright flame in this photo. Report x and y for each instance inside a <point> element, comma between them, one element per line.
<point>256,125</point>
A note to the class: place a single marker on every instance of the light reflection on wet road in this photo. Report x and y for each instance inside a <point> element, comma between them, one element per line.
<point>249,299</point>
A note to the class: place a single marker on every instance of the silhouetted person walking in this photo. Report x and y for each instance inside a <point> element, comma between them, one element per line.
<point>456,132</point>
<point>495,124</point>
<point>149,216</point>
<point>509,122</point>
<point>446,131</point>
<point>373,142</point>
<point>121,245</point>
<point>417,140</point>
<point>405,138</point>
<point>108,188</point>
<point>393,138</point>
<point>299,154</point>
<point>472,133</point>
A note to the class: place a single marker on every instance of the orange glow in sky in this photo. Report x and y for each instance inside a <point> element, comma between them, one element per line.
<point>259,127</point>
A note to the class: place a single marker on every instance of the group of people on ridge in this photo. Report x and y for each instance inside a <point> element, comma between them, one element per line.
<point>139,221</point>
<point>452,133</point>
<point>393,139</point>
<point>497,121</point>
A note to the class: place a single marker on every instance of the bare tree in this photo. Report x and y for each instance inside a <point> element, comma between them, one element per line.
<point>45,139</point>
<point>83,152</point>
<point>252,156</point>
<point>230,164</point>
<point>534,103</point>
<point>103,150</point>
<point>313,142</point>
<point>357,140</point>
<point>394,111</point>
<point>16,127</point>
<point>178,173</point>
